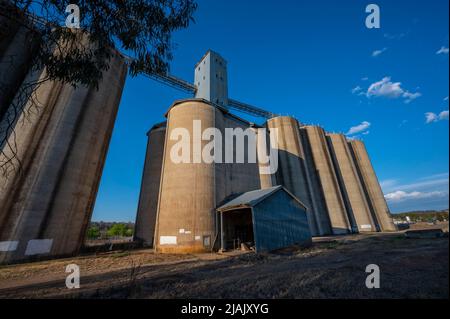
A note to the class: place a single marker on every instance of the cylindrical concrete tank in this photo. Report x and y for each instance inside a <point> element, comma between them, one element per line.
<point>371,186</point>
<point>351,187</point>
<point>186,209</point>
<point>17,46</point>
<point>151,177</point>
<point>323,220</point>
<point>334,202</point>
<point>291,167</point>
<point>62,146</point>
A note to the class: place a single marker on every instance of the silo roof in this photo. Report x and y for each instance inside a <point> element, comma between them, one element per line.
<point>252,198</point>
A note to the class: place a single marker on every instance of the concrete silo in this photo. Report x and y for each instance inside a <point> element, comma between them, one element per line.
<point>151,177</point>
<point>351,187</point>
<point>372,187</point>
<point>292,172</point>
<point>62,146</point>
<point>17,45</point>
<point>186,208</point>
<point>192,188</point>
<point>334,203</point>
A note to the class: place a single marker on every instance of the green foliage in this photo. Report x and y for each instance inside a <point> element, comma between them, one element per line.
<point>119,230</point>
<point>93,232</point>
<point>140,28</point>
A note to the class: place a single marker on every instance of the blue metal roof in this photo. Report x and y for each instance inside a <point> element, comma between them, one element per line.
<point>252,198</point>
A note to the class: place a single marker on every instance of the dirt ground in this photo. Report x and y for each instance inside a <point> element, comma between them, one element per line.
<point>333,267</point>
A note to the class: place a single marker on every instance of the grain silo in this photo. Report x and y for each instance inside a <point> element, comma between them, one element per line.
<point>323,166</point>
<point>61,145</point>
<point>292,172</point>
<point>191,189</point>
<point>151,177</point>
<point>372,187</point>
<point>351,187</point>
<point>17,45</point>
<point>186,209</point>
<point>317,195</point>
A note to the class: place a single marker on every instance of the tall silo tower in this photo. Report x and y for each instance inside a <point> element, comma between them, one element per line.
<point>211,79</point>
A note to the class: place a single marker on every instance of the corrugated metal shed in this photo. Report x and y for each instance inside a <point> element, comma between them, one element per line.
<point>269,219</point>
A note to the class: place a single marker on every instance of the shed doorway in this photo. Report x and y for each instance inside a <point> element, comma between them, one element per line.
<point>237,229</point>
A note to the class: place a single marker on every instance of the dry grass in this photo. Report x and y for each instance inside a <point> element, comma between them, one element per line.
<point>410,268</point>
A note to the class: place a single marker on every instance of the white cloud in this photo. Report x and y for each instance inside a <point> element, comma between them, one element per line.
<point>385,88</point>
<point>443,115</point>
<point>356,89</point>
<point>378,52</point>
<point>409,97</point>
<point>399,196</point>
<point>446,98</point>
<point>364,78</point>
<point>358,128</point>
<point>388,89</point>
<point>431,117</point>
<point>425,184</point>
<point>442,50</point>
<point>422,193</point>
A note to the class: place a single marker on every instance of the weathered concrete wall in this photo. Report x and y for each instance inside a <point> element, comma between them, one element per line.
<point>267,178</point>
<point>151,178</point>
<point>292,167</point>
<point>317,196</point>
<point>280,221</point>
<point>17,46</point>
<point>62,146</point>
<point>371,186</point>
<point>351,188</point>
<point>234,178</point>
<point>186,208</point>
<point>327,176</point>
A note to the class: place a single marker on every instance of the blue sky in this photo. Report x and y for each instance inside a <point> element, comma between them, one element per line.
<point>317,61</point>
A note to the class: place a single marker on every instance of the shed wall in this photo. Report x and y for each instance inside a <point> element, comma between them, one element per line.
<point>280,221</point>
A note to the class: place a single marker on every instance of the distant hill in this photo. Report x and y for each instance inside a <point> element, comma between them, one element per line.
<point>427,215</point>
